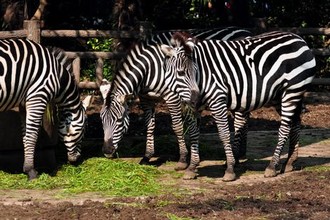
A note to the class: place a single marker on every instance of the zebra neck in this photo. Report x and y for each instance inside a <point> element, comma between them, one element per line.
<point>68,97</point>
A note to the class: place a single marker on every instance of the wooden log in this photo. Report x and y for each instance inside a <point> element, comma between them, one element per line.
<point>90,33</point>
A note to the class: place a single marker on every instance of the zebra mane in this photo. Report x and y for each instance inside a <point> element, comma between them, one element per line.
<point>180,39</point>
<point>60,55</point>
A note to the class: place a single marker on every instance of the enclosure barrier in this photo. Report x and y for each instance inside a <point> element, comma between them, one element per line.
<point>33,31</point>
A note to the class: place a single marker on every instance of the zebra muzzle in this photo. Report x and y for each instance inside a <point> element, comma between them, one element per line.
<point>108,149</point>
<point>73,156</point>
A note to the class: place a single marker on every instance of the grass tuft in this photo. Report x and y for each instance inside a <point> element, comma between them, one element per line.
<point>109,177</point>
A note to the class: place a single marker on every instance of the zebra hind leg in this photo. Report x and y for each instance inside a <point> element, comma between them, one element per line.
<point>240,138</point>
<point>289,112</point>
<point>294,140</point>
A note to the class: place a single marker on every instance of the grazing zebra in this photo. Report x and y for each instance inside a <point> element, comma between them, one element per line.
<point>32,76</point>
<point>142,74</point>
<point>243,75</point>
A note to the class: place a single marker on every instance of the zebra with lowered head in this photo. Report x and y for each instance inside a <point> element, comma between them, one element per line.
<point>32,76</point>
<point>274,68</point>
<point>142,74</point>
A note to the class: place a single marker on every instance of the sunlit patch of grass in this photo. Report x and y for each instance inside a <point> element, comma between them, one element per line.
<point>320,168</point>
<point>109,177</point>
<point>171,216</point>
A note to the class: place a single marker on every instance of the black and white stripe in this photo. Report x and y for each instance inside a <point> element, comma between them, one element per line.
<point>243,75</point>
<point>142,74</point>
<point>33,76</point>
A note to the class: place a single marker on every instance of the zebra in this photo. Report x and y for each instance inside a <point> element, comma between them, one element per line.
<point>141,74</point>
<point>31,76</point>
<point>273,68</point>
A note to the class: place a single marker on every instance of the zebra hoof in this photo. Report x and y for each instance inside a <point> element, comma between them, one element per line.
<point>181,166</point>
<point>288,168</point>
<point>270,172</point>
<point>144,161</point>
<point>229,176</point>
<point>32,174</point>
<point>189,175</point>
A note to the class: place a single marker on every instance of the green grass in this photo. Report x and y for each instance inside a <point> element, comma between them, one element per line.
<point>108,177</point>
<point>319,168</point>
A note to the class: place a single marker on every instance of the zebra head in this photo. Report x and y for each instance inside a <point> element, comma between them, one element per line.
<point>72,126</point>
<point>181,71</point>
<point>115,120</point>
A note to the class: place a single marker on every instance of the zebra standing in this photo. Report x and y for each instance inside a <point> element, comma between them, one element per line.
<point>243,75</point>
<point>32,76</point>
<point>142,74</point>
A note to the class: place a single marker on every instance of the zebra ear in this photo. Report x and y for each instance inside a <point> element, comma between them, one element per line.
<point>123,99</point>
<point>190,43</point>
<point>87,101</point>
<point>167,50</point>
<point>104,88</point>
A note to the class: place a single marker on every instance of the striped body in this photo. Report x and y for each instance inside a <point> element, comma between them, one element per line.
<point>32,76</point>
<point>243,75</point>
<point>142,74</point>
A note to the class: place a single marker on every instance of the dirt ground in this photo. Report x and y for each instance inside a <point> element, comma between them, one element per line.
<point>302,194</point>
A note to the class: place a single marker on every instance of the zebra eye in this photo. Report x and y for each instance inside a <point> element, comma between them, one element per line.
<point>120,120</point>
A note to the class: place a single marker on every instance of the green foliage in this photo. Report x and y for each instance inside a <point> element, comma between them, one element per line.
<point>108,177</point>
<point>98,44</point>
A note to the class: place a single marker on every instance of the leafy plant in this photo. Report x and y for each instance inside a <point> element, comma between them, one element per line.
<point>89,66</point>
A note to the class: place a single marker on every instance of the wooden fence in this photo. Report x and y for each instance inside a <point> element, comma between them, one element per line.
<point>33,31</point>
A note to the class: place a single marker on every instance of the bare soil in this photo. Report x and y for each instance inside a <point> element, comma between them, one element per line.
<point>301,194</point>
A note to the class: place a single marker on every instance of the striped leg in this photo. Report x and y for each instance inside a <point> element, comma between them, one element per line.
<point>34,113</point>
<point>240,139</point>
<point>288,113</point>
<point>174,107</point>
<point>219,112</point>
<point>294,139</point>
<point>193,129</point>
<point>148,107</point>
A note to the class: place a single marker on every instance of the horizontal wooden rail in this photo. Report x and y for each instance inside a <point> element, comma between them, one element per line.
<point>303,31</point>
<point>13,34</point>
<point>90,33</point>
<point>95,55</point>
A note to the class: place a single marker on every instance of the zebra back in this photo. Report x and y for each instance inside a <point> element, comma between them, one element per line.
<point>256,70</point>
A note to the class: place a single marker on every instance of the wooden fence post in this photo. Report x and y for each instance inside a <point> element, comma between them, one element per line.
<point>33,30</point>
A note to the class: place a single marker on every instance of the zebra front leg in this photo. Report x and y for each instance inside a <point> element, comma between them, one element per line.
<point>34,114</point>
<point>174,107</point>
<point>220,116</point>
<point>148,107</point>
<point>28,166</point>
<point>193,127</point>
